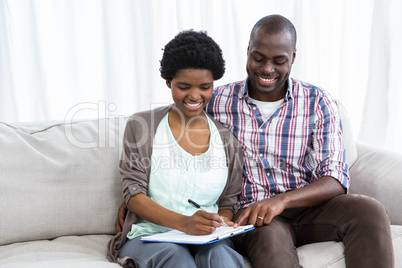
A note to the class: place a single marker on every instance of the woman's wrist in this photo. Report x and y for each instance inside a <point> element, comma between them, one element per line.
<point>181,223</point>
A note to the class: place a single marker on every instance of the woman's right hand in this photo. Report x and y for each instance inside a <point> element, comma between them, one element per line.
<point>201,223</point>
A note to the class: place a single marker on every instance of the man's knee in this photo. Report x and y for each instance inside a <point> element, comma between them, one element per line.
<point>364,209</point>
<point>273,243</point>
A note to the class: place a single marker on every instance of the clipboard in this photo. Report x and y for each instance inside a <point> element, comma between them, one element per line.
<point>178,237</point>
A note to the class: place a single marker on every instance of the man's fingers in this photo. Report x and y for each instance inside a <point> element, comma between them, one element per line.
<point>253,219</point>
<point>259,221</point>
<point>119,223</point>
<point>121,215</point>
<point>243,219</point>
<point>118,226</point>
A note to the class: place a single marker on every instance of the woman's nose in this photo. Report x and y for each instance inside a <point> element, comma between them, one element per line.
<point>194,94</point>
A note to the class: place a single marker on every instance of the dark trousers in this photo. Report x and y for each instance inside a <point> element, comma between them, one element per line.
<point>359,221</point>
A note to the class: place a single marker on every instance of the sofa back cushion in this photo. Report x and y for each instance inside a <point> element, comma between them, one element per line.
<point>62,178</point>
<point>59,179</point>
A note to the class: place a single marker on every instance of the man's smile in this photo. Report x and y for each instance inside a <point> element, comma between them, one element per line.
<point>266,81</point>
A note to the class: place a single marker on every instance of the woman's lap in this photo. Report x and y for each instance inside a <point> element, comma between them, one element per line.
<point>148,254</point>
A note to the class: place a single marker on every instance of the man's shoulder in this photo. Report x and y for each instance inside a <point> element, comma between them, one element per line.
<point>302,88</point>
<point>305,85</point>
<point>230,87</point>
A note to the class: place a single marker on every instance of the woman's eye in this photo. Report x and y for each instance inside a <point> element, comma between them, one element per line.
<point>205,88</point>
<point>183,88</point>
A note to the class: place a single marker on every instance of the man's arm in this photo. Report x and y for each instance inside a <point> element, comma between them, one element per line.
<point>316,193</point>
<point>121,216</point>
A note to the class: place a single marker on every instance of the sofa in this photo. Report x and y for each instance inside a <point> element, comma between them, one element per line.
<point>60,190</point>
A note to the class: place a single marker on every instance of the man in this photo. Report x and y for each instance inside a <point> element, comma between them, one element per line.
<point>295,176</point>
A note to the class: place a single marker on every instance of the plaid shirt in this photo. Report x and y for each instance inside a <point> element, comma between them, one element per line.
<point>299,143</point>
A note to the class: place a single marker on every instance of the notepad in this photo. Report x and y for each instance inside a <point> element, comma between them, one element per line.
<point>178,237</point>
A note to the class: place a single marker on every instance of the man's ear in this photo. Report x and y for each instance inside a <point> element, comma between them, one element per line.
<point>169,85</point>
<point>294,55</point>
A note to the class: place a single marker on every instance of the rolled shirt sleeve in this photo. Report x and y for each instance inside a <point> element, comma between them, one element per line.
<point>328,149</point>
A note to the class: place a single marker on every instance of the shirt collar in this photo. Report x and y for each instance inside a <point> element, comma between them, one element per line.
<point>244,89</point>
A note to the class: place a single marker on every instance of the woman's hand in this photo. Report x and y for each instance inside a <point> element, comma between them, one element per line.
<point>201,223</point>
<point>228,221</point>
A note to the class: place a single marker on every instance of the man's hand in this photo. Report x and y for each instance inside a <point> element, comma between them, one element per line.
<point>121,216</point>
<point>314,194</point>
<point>262,212</point>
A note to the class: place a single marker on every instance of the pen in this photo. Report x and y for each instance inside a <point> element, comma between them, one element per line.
<point>195,204</point>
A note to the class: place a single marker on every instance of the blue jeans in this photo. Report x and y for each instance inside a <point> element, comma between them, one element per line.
<point>148,254</point>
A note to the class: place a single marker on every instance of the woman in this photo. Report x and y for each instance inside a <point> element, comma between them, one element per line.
<point>175,153</point>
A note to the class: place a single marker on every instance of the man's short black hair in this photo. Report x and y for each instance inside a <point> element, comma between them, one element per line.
<point>192,50</point>
<point>275,24</point>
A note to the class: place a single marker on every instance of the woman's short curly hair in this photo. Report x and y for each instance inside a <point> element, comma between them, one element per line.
<point>192,50</point>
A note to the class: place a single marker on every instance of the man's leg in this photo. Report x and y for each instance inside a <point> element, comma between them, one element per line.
<point>270,245</point>
<point>359,221</point>
<point>161,255</point>
<point>218,254</point>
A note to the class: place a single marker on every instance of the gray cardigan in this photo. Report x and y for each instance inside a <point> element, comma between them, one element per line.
<point>135,169</point>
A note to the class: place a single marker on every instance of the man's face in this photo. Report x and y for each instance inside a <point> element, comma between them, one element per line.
<point>269,62</point>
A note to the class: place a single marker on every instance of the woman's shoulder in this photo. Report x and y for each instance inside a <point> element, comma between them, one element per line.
<point>226,134</point>
<point>149,116</point>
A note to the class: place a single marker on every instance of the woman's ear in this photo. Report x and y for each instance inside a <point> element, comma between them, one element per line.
<point>168,84</point>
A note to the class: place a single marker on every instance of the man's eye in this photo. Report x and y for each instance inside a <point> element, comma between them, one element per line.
<point>281,62</point>
<point>257,59</point>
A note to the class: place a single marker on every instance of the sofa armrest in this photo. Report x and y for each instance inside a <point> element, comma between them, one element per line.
<point>377,173</point>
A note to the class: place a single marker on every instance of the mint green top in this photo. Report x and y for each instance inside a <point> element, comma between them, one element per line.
<point>177,176</point>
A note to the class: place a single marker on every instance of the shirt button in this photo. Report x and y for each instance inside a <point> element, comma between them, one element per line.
<point>268,174</point>
<point>133,188</point>
<point>254,108</point>
<point>261,130</point>
<point>261,155</point>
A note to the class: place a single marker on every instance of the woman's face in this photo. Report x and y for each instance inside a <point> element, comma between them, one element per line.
<point>191,90</point>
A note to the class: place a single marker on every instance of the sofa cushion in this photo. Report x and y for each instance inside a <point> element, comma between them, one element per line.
<point>90,251</point>
<point>68,251</point>
<point>377,174</point>
<point>59,179</point>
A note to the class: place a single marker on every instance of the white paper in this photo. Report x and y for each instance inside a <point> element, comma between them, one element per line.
<point>175,236</point>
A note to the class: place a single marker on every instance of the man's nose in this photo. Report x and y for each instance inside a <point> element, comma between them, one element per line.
<point>268,67</point>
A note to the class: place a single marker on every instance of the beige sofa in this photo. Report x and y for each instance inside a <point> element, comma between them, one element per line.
<point>60,189</point>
